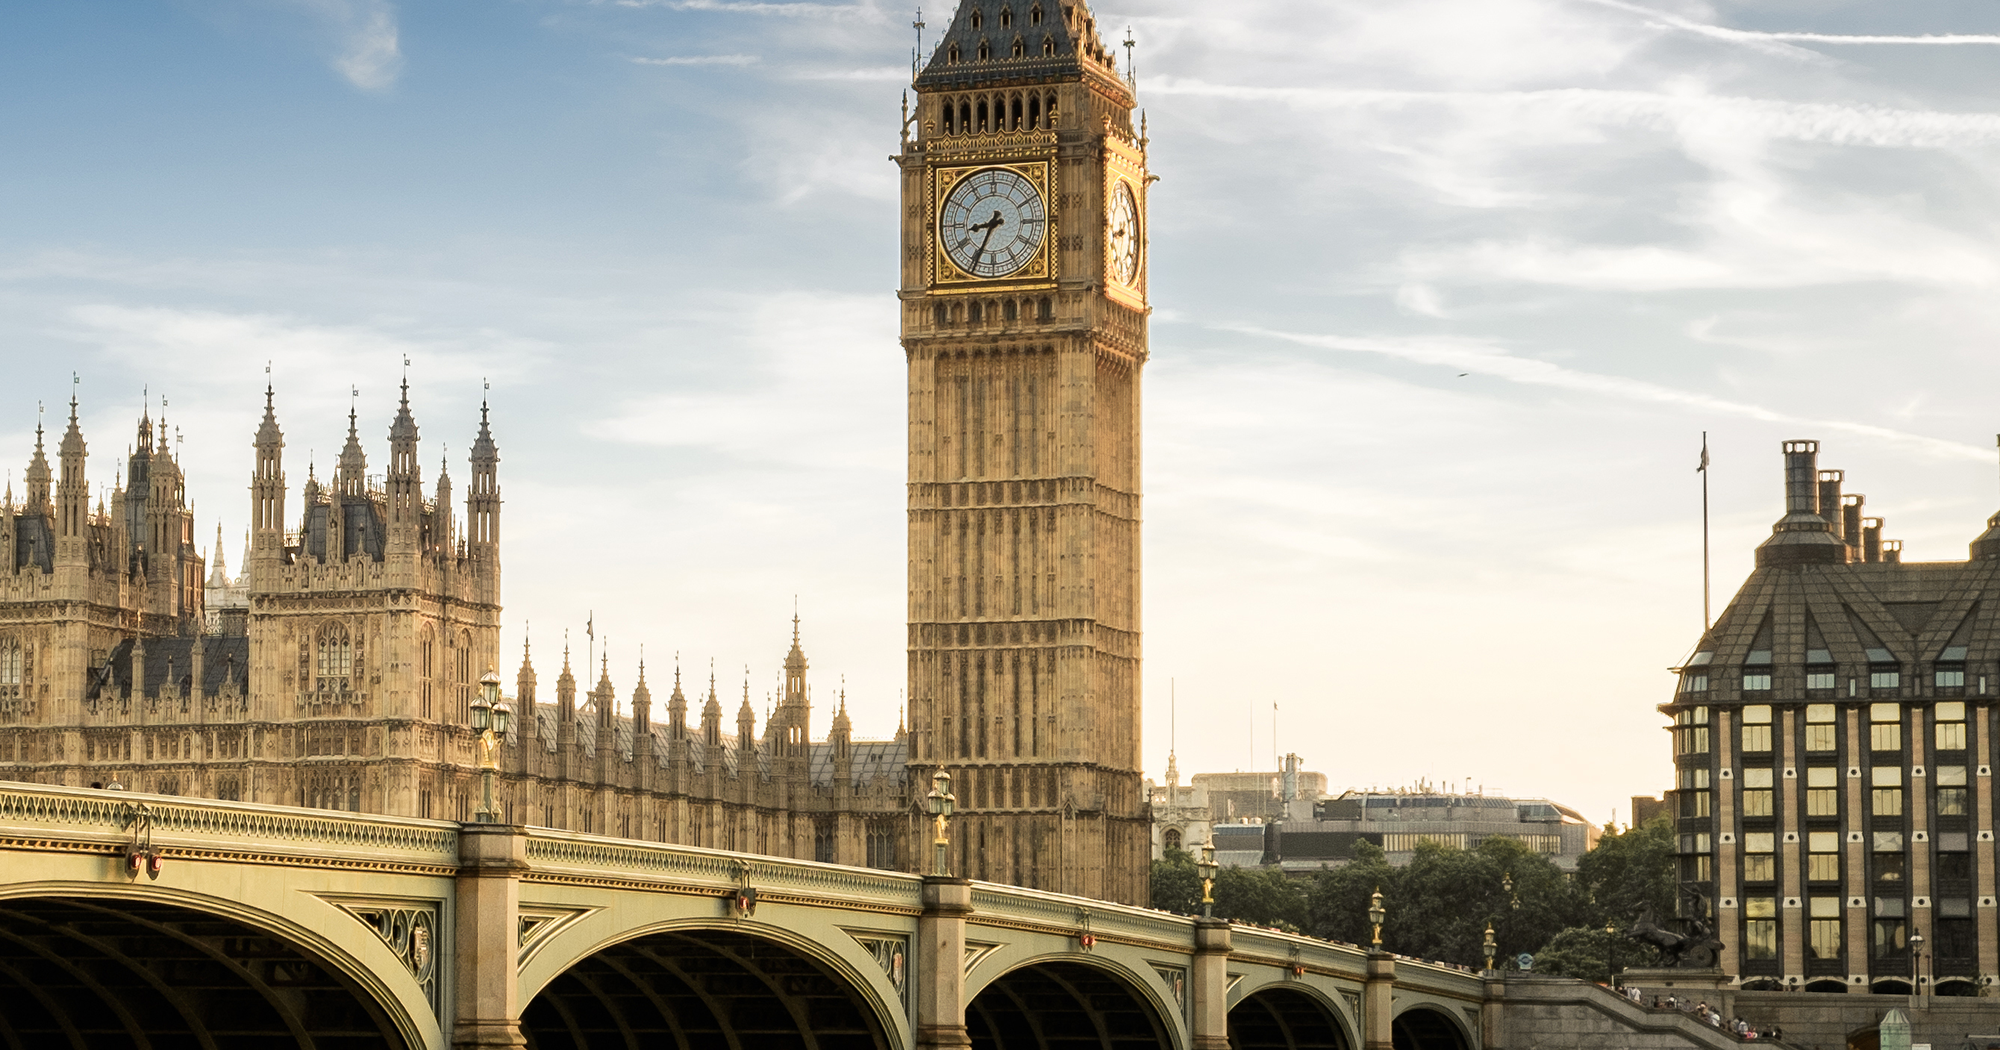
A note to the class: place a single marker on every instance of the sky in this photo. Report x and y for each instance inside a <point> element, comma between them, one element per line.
<point>1446,294</point>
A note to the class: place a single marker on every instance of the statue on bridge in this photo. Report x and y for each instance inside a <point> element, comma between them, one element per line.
<point>1697,949</point>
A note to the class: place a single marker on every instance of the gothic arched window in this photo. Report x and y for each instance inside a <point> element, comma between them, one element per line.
<point>335,658</point>
<point>10,663</point>
<point>465,679</point>
<point>426,669</point>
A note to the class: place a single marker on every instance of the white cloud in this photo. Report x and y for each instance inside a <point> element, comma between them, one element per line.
<point>366,32</point>
<point>748,7</point>
<point>698,60</point>
<point>1755,37</point>
<point>1483,358</point>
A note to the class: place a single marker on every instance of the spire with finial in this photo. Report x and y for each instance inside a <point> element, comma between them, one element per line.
<point>642,704</point>
<point>39,476</point>
<point>524,682</point>
<point>72,489</point>
<point>566,686</point>
<point>351,475</point>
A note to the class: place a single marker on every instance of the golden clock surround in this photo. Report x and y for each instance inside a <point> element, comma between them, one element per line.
<point>1038,273</point>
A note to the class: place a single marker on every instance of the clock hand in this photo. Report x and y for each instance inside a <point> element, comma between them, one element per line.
<point>989,226</point>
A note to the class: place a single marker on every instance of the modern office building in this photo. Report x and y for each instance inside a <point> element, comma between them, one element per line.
<point>1398,821</point>
<point>1833,740</point>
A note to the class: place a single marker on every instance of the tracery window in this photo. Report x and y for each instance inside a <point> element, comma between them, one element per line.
<point>11,668</point>
<point>335,658</point>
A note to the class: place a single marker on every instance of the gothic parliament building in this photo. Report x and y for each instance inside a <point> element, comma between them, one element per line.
<point>336,671</point>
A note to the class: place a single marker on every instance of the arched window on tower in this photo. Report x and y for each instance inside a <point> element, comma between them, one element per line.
<point>1051,110</point>
<point>951,54</point>
<point>1035,112</point>
<point>1020,47</point>
<point>1035,15</point>
<point>1045,310</point>
<point>335,659</point>
<point>950,111</point>
<point>426,671</point>
<point>965,118</point>
<point>1014,120</point>
<point>983,125</point>
<point>1009,311</point>
<point>1048,46</point>
<point>985,51</point>
<point>10,670</point>
<point>1006,17</point>
<point>940,315</point>
<point>465,679</point>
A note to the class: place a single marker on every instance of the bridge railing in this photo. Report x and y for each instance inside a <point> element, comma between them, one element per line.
<point>97,821</point>
<point>557,855</point>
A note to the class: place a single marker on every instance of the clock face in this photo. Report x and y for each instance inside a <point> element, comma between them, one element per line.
<point>1122,220</point>
<point>993,222</point>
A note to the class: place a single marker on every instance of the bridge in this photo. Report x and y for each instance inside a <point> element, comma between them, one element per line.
<point>155,921</point>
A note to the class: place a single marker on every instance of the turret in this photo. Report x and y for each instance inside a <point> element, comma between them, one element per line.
<point>842,734</point>
<point>711,722</point>
<point>791,727</point>
<point>443,539</point>
<point>267,487</point>
<point>405,479</point>
<point>746,729</point>
<point>73,490</point>
<point>38,479</point>
<point>677,708</point>
<point>566,692</point>
<point>642,708</point>
<point>482,500</point>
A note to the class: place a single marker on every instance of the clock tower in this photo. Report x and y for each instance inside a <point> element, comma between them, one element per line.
<point>1024,324</point>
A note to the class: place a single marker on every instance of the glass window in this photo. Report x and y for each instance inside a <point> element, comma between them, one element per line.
<point>1888,907</point>
<point>1822,777</point>
<point>1759,867</point>
<point>1952,679</point>
<point>1950,776</point>
<point>1760,928</point>
<point>1823,841</point>
<point>1757,785</point>
<point>1757,777</point>
<point>1694,683</point>
<point>1951,736</point>
<point>1757,714</point>
<point>1885,712</point>
<point>1954,867</point>
<point>1819,714</point>
<point>1885,679</point>
<point>1888,938</point>
<point>1821,737</point>
<point>1759,841</point>
<point>1888,802</point>
<point>1951,842</point>
<point>1819,679</point>
<point>1885,737</point>
<point>1757,681</point>
<point>1824,937</point>
<point>1949,711</point>
<point>1889,867</point>
<point>1886,776</point>
<point>1696,804</point>
<point>1701,659</point>
<point>1823,867</point>
<point>1695,777</point>
<point>1695,843</point>
<point>1822,802</point>
<point>1756,738</point>
<point>1951,793</point>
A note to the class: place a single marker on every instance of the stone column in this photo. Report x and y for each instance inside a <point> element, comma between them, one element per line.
<point>941,964</point>
<point>486,1008</point>
<point>1211,984</point>
<point>1378,1002</point>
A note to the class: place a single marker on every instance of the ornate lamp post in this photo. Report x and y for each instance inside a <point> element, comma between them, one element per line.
<point>1375,916</point>
<point>490,719</point>
<point>1208,867</point>
<point>1916,967</point>
<point>941,803</point>
<point>1492,946</point>
<point>1611,950</point>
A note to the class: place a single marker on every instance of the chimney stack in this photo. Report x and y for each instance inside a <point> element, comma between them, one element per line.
<point>1829,501</point>
<point>1871,539</point>
<point>1892,552</point>
<point>1850,523</point>
<point>1801,537</point>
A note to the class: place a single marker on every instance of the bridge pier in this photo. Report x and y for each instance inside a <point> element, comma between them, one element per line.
<point>1211,985</point>
<point>1378,1015</point>
<point>486,987</point>
<point>941,964</point>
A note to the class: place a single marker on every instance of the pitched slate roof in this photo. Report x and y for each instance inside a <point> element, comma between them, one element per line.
<point>1051,49</point>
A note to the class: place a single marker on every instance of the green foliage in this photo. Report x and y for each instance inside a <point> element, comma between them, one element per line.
<point>1261,897</point>
<point>1176,883</point>
<point>1439,905</point>
<point>1631,874</point>
<point>1589,953</point>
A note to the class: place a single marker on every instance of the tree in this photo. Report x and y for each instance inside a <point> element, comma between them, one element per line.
<point>1337,900</point>
<point>1631,874</point>
<point>1587,953</point>
<point>1261,897</point>
<point>1176,883</point>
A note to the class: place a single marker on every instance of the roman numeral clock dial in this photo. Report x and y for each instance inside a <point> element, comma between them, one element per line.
<point>992,223</point>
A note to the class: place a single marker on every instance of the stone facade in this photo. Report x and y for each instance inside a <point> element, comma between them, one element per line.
<point>1024,405</point>
<point>1834,739</point>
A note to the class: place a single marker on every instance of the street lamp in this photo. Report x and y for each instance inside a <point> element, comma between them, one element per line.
<point>1376,915</point>
<point>1916,967</point>
<point>1492,946</point>
<point>941,802</point>
<point>1611,950</point>
<point>490,719</point>
<point>1507,887</point>
<point>1208,867</point>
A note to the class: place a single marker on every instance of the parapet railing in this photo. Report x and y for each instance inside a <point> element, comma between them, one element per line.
<point>102,821</point>
<point>570,856</point>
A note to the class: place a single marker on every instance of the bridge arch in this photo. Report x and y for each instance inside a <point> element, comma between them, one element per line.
<point>696,983</point>
<point>1288,1017</point>
<point>1421,1026</point>
<point>1069,1000</point>
<point>88,965</point>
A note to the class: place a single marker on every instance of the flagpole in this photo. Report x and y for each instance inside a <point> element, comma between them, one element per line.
<point>1703,471</point>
